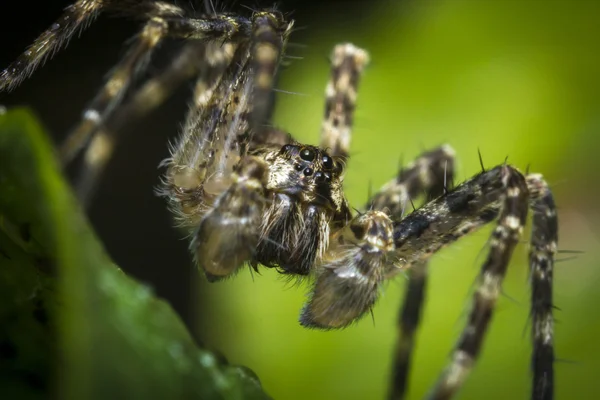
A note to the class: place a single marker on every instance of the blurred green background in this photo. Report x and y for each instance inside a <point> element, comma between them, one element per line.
<point>512,78</point>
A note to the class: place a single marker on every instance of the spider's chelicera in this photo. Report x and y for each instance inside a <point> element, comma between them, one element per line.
<point>249,194</point>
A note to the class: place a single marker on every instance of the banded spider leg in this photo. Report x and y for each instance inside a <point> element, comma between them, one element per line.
<point>264,34</point>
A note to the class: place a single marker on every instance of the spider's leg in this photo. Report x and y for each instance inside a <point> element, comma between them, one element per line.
<point>347,65</point>
<point>214,27</point>
<point>75,18</point>
<point>199,154</point>
<point>408,322</point>
<point>215,191</point>
<point>194,58</point>
<point>270,33</point>
<point>120,78</point>
<point>431,173</point>
<point>463,210</point>
<point>451,216</point>
<point>544,240</point>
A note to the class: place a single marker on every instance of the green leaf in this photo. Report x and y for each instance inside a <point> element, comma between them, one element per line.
<point>71,321</point>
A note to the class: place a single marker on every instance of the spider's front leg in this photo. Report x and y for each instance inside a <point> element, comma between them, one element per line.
<point>215,192</point>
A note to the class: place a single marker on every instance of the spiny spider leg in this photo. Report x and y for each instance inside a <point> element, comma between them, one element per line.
<point>111,94</point>
<point>216,191</point>
<point>408,322</point>
<point>427,174</point>
<point>199,160</point>
<point>347,65</point>
<point>544,239</point>
<point>265,31</point>
<point>506,235</point>
<point>432,173</point>
<point>162,23</point>
<point>76,17</point>
<point>195,57</point>
<point>269,38</point>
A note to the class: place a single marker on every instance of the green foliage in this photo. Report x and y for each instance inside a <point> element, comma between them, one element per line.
<point>71,321</point>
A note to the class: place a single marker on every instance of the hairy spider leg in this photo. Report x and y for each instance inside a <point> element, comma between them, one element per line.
<point>75,18</point>
<point>269,38</point>
<point>544,239</point>
<point>212,30</point>
<point>159,26</point>
<point>195,58</point>
<point>162,20</point>
<point>409,319</point>
<point>506,235</point>
<point>431,173</point>
<point>199,163</point>
<point>347,65</point>
<point>216,192</point>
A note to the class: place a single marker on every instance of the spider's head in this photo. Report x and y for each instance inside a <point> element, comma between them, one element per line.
<point>308,173</point>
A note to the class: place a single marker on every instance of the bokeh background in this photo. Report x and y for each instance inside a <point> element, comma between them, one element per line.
<point>511,78</point>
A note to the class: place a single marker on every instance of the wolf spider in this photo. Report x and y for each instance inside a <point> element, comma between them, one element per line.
<point>249,194</point>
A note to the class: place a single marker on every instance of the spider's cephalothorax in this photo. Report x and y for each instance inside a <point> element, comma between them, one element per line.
<point>249,194</point>
<point>304,189</point>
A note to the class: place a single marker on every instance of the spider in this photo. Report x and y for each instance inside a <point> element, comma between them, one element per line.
<point>249,194</point>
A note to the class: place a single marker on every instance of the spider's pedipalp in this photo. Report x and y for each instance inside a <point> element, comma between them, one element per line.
<point>347,65</point>
<point>229,232</point>
<point>348,279</point>
<point>544,238</point>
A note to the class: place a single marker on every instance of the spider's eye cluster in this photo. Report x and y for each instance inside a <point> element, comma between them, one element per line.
<point>311,161</point>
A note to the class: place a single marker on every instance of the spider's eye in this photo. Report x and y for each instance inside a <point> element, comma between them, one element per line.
<point>308,172</point>
<point>307,155</point>
<point>285,148</point>
<point>327,162</point>
<point>299,167</point>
